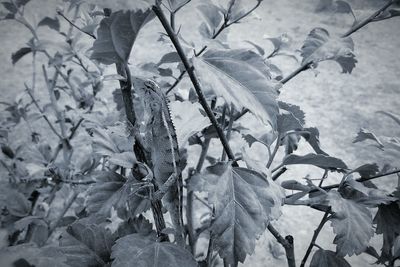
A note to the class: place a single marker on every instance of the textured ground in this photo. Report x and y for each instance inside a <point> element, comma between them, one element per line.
<point>336,103</point>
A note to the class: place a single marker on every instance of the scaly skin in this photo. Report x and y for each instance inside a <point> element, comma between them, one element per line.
<point>162,144</point>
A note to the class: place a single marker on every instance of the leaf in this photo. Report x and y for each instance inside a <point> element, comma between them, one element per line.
<point>319,46</point>
<point>358,192</point>
<point>318,160</point>
<point>117,34</point>
<point>352,224</point>
<point>241,78</point>
<point>391,115</point>
<point>113,191</point>
<point>295,110</point>
<point>86,244</point>
<point>171,57</point>
<point>387,221</point>
<point>141,251</point>
<point>334,6</point>
<point>365,134</point>
<point>14,201</point>
<point>138,225</point>
<point>244,202</point>
<point>387,14</point>
<point>213,16</point>
<point>174,5</point>
<point>52,23</point>
<point>116,5</point>
<point>187,120</point>
<point>313,139</point>
<point>16,56</point>
<point>38,257</point>
<point>327,258</point>
<point>258,48</point>
<point>367,170</point>
<point>295,185</point>
<point>288,122</point>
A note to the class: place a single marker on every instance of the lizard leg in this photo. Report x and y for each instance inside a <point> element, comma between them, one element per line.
<point>158,195</point>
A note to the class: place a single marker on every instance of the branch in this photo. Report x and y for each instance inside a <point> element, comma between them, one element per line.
<point>314,238</point>
<point>66,207</point>
<point>287,244</point>
<point>361,179</point>
<point>74,25</point>
<point>279,173</point>
<point>190,70</point>
<point>271,158</point>
<point>368,20</point>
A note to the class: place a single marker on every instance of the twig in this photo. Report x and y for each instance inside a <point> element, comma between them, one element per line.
<point>324,219</point>
<point>279,173</point>
<point>229,129</point>
<point>225,25</point>
<point>190,70</point>
<point>368,20</point>
<point>203,154</point>
<point>74,25</point>
<point>324,176</point>
<point>66,207</point>
<point>44,116</point>
<point>278,143</point>
<point>361,179</point>
<point>287,243</point>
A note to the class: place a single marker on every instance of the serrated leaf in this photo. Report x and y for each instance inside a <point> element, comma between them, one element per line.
<point>187,120</point>
<point>142,251</point>
<point>117,34</point>
<point>16,56</point>
<point>352,224</point>
<point>86,244</point>
<point>387,221</point>
<point>287,122</point>
<point>295,110</point>
<point>113,191</point>
<point>365,134</point>
<point>327,258</point>
<point>244,202</point>
<point>367,170</point>
<point>242,78</point>
<point>38,257</point>
<point>320,46</point>
<point>116,5</point>
<point>52,23</point>
<point>318,160</point>
<point>171,57</point>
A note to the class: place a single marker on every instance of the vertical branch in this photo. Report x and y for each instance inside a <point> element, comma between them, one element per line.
<point>324,219</point>
<point>287,243</point>
<point>190,70</point>
<point>278,143</point>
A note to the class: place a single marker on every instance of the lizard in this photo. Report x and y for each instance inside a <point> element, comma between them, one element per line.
<point>161,142</point>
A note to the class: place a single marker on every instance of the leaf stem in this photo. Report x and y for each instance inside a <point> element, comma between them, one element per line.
<point>279,173</point>
<point>324,219</point>
<point>190,70</point>
<point>278,143</point>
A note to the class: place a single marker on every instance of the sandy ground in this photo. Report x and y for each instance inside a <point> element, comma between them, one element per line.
<point>338,104</point>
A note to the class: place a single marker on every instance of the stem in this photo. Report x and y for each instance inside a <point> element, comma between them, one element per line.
<point>279,173</point>
<point>203,154</point>
<point>229,129</point>
<point>278,143</point>
<point>314,237</point>
<point>361,179</point>
<point>297,71</point>
<point>287,244</point>
<point>74,25</point>
<point>190,70</point>
<point>367,20</point>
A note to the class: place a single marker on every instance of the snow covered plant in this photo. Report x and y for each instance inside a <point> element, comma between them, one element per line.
<point>165,174</point>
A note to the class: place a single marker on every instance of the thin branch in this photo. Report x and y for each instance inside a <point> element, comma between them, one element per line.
<point>190,70</point>
<point>229,129</point>
<point>324,219</point>
<point>66,207</point>
<point>279,173</point>
<point>368,20</point>
<point>287,243</point>
<point>44,116</point>
<point>74,25</point>
<point>361,179</point>
<point>278,143</point>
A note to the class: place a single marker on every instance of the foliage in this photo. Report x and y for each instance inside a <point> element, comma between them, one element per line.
<point>81,187</point>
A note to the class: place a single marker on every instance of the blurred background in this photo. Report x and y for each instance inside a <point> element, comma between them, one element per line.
<point>337,104</point>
